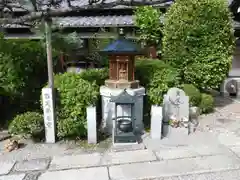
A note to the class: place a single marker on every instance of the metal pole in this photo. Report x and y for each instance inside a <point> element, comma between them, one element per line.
<point>49,52</point>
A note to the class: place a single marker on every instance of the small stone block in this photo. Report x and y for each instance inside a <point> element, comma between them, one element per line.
<point>75,161</point>
<point>13,177</point>
<point>92,124</point>
<point>5,167</point>
<point>156,122</point>
<point>128,157</point>
<point>118,147</point>
<point>99,173</point>
<point>32,165</point>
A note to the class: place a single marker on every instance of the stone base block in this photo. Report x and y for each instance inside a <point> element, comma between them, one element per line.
<point>108,108</point>
<point>121,84</point>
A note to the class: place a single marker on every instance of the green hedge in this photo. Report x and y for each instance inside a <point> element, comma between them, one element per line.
<point>198,39</point>
<point>193,93</point>
<point>28,123</point>
<point>157,77</point>
<point>97,75</point>
<point>74,94</point>
<point>207,103</point>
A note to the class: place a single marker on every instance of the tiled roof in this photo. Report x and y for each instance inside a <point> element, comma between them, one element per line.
<point>64,5</point>
<point>95,21</point>
<point>122,46</point>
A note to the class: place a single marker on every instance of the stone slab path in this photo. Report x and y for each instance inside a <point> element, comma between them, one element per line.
<point>212,153</point>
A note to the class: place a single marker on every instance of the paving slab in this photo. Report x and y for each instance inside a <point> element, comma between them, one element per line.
<point>229,139</point>
<point>128,157</point>
<point>176,153</point>
<point>5,167</point>
<point>32,165</point>
<point>99,173</point>
<point>175,167</point>
<point>13,177</point>
<point>223,175</point>
<point>206,150</point>
<point>235,149</point>
<point>178,140</point>
<point>4,135</point>
<point>75,161</point>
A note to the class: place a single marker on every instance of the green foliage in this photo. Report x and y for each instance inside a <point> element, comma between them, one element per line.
<point>69,128</point>
<point>29,123</point>
<point>207,103</point>
<point>74,95</point>
<point>198,40</point>
<point>193,93</point>
<point>95,75</point>
<point>10,77</point>
<point>66,43</point>
<point>21,63</point>
<point>23,71</point>
<point>157,77</point>
<point>147,19</point>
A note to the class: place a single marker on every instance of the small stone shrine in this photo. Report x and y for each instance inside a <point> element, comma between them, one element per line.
<point>121,64</point>
<point>121,55</point>
<point>124,125</point>
<point>175,110</point>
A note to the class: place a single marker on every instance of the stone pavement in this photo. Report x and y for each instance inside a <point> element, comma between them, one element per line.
<point>212,153</point>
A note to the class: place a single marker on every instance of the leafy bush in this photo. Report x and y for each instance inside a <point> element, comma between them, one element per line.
<point>97,75</point>
<point>69,128</point>
<point>198,40</point>
<point>157,77</point>
<point>23,71</point>
<point>147,20</point>
<point>193,93</point>
<point>207,103</point>
<point>29,123</point>
<point>74,95</point>
<point>22,65</point>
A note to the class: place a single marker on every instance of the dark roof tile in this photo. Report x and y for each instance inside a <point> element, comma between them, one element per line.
<point>95,21</point>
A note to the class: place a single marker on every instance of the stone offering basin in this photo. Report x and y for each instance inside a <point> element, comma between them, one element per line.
<point>124,124</point>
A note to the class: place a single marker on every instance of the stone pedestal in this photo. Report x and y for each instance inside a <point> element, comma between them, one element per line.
<point>108,108</point>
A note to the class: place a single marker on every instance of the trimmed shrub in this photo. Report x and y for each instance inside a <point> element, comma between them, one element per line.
<point>198,40</point>
<point>29,123</point>
<point>69,128</point>
<point>157,77</point>
<point>147,20</point>
<point>193,93</point>
<point>97,75</point>
<point>207,103</point>
<point>74,95</point>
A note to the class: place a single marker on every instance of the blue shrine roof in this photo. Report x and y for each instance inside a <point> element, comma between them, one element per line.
<point>122,46</point>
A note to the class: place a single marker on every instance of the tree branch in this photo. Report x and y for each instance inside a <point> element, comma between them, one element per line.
<point>32,16</point>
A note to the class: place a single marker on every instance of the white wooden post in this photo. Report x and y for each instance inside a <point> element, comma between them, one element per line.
<point>92,124</point>
<point>49,115</point>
